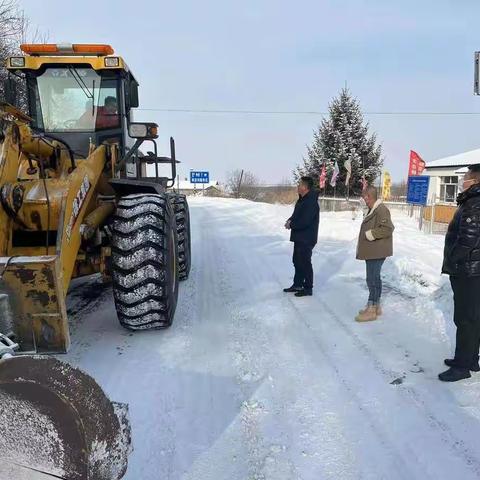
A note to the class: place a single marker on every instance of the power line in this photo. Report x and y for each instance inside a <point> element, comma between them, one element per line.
<point>300,112</point>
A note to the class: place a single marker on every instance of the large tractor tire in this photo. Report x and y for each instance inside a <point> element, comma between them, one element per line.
<point>182,216</point>
<point>144,261</point>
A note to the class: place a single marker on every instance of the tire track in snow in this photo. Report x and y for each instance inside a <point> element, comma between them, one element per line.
<point>400,461</point>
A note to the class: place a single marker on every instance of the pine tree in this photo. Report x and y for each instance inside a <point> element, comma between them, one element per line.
<point>343,135</point>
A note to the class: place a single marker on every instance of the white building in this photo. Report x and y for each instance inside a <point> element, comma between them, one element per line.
<point>445,174</point>
<point>184,186</point>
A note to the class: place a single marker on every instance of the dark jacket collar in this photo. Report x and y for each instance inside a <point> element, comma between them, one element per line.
<point>311,193</point>
<point>473,191</point>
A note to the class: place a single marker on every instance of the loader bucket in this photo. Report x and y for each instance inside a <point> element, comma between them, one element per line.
<point>31,291</point>
<point>56,422</point>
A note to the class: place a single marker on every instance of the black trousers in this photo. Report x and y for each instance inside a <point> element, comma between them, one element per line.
<point>466,299</point>
<point>302,261</point>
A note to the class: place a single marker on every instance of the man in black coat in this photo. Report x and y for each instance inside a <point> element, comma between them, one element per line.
<point>461,261</point>
<point>304,232</point>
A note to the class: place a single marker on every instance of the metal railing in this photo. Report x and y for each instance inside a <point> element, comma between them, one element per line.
<point>416,212</point>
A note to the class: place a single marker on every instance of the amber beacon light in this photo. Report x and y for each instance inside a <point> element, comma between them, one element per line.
<point>66,49</point>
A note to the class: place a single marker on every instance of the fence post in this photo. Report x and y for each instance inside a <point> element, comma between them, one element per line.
<point>420,221</point>
<point>432,217</point>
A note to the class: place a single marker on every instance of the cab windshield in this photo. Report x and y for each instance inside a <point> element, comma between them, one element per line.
<point>73,99</point>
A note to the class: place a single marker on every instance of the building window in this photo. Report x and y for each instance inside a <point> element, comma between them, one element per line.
<point>448,189</point>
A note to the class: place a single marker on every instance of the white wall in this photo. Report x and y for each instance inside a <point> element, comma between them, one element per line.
<point>435,175</point>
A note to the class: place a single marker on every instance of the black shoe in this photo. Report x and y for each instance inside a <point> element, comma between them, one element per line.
<point>291,289</point>
<point>304,292</point>
<point>454,374</point>
<point>450,362</point>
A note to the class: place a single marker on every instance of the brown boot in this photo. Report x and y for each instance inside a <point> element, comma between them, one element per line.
<point>369,315</point>
<point>379,310</point>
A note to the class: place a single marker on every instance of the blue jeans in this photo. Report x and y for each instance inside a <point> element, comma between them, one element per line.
<point>374,280</point>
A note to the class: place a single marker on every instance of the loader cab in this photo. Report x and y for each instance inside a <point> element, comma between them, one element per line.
<point>79,97</point>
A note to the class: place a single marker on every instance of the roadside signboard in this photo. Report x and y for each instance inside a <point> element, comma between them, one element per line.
<point>418,189</point>
<point>199,177</point>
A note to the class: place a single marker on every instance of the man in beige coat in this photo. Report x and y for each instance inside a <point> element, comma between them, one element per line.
<point>375,244</point>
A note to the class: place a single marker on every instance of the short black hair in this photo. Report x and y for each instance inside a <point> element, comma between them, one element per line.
<point>474,171</point>
<point>111,100</point>
<point>308,181</point>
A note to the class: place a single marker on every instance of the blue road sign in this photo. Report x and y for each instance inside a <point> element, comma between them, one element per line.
<point>418,189</point>
<point>199,177</point>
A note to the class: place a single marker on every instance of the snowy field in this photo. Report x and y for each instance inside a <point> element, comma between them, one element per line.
<point>254,384</point>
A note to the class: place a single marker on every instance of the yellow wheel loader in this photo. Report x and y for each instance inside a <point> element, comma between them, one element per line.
<point>78,196</point>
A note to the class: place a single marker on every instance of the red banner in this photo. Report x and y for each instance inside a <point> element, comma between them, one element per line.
<point>417,165</point>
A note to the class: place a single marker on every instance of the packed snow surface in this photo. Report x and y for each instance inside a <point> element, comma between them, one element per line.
<point>254,384</point>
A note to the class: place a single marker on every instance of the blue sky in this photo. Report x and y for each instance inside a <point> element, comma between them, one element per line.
<point>287,55</point>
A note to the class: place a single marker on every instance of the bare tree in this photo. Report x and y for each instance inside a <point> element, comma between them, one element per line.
<point>243,184</point>
<point>399,191</point>
<point>15,28</point>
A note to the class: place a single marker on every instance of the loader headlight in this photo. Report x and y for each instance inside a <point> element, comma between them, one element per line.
<point>112,62</point>
<point>143,130</point>
<point>17,62</point>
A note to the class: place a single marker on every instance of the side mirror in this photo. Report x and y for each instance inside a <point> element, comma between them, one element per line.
<point>134,94</point>
<point>10,91</point>
<point>145,131</point>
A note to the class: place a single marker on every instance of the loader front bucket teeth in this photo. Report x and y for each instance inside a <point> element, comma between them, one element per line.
<point>55,420</point>
<point>32,288</point>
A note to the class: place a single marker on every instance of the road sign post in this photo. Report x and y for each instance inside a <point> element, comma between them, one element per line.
<point>417,194</point>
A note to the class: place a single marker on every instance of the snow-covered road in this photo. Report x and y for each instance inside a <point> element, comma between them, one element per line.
<point>251,383</point>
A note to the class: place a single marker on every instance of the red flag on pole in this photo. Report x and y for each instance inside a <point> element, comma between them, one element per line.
<point>323,177</point>
<point>417,165</point>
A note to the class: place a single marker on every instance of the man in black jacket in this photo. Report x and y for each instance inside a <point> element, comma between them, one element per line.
<point>461,261</point>
<point>304,232</point>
